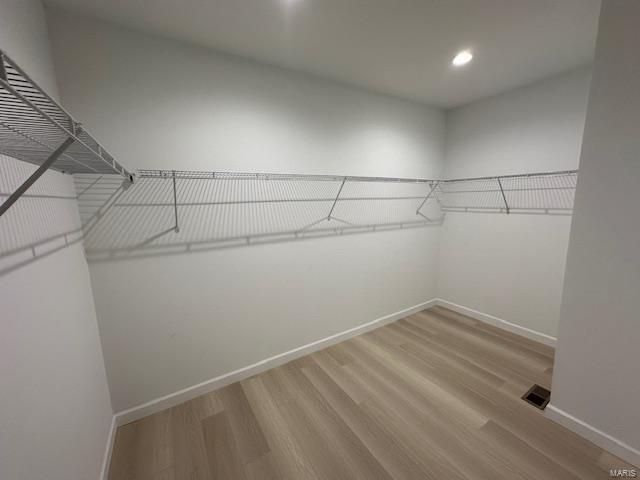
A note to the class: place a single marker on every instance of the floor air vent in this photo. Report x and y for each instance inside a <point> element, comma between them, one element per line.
<point>537,396</point>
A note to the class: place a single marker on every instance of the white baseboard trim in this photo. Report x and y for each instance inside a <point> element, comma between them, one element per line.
<point>104,472</point>
<point>598,437</point>
<point>499,322</point>
<point>176,398</point>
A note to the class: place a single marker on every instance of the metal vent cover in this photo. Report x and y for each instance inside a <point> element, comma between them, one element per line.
<point>537,396</point>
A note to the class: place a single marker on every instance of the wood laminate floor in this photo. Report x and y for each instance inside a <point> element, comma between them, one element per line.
<point>432,396</point>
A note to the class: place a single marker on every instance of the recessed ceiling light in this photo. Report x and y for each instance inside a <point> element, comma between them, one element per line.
<point>462,58</point>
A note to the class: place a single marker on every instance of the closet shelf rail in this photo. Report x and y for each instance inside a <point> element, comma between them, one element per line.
<point>193,175</point>
<point>34,128</point>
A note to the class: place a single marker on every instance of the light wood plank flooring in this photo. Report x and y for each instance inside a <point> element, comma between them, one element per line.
<point>433,396</point>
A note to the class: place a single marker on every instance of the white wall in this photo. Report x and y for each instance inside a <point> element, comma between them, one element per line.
<point>512,266</point>
<point>55,411</point>
<point>179,106</point>
<point>537,128</point>
<point>171,322</point>
<point>596,371</point>
<point>24,37</point>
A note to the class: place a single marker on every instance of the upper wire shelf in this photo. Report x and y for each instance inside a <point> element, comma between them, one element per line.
<point>33,126</point>
<point>191,175</point>
<point>168,211</point>
<point>545,192</point>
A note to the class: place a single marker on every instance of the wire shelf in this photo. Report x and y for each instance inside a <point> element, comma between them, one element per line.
<point>191,210</point>
<point>178,211</point>
<point>33,125</point>
<point>551,192</point>
<point>186,174</point>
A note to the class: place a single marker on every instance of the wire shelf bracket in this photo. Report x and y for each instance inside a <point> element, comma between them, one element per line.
<point>506,204</point>
<point>176,228</point>
<point>330,216</point>
<point>34,128</point>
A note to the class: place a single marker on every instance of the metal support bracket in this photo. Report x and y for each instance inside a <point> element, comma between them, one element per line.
<point>503,195</point>
<point>36,175</point>
<point>434,185</point>
<point>3,70</point>
<point>344,180</point>
<point>175,202</point>
<point>329,217</point>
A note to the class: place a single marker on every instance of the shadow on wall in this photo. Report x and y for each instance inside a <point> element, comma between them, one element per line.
<point>42,222</point>
<point>166,213</point>
<point>161,216</point>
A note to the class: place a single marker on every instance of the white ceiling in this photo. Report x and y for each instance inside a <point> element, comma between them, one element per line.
<point>399,47</point>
